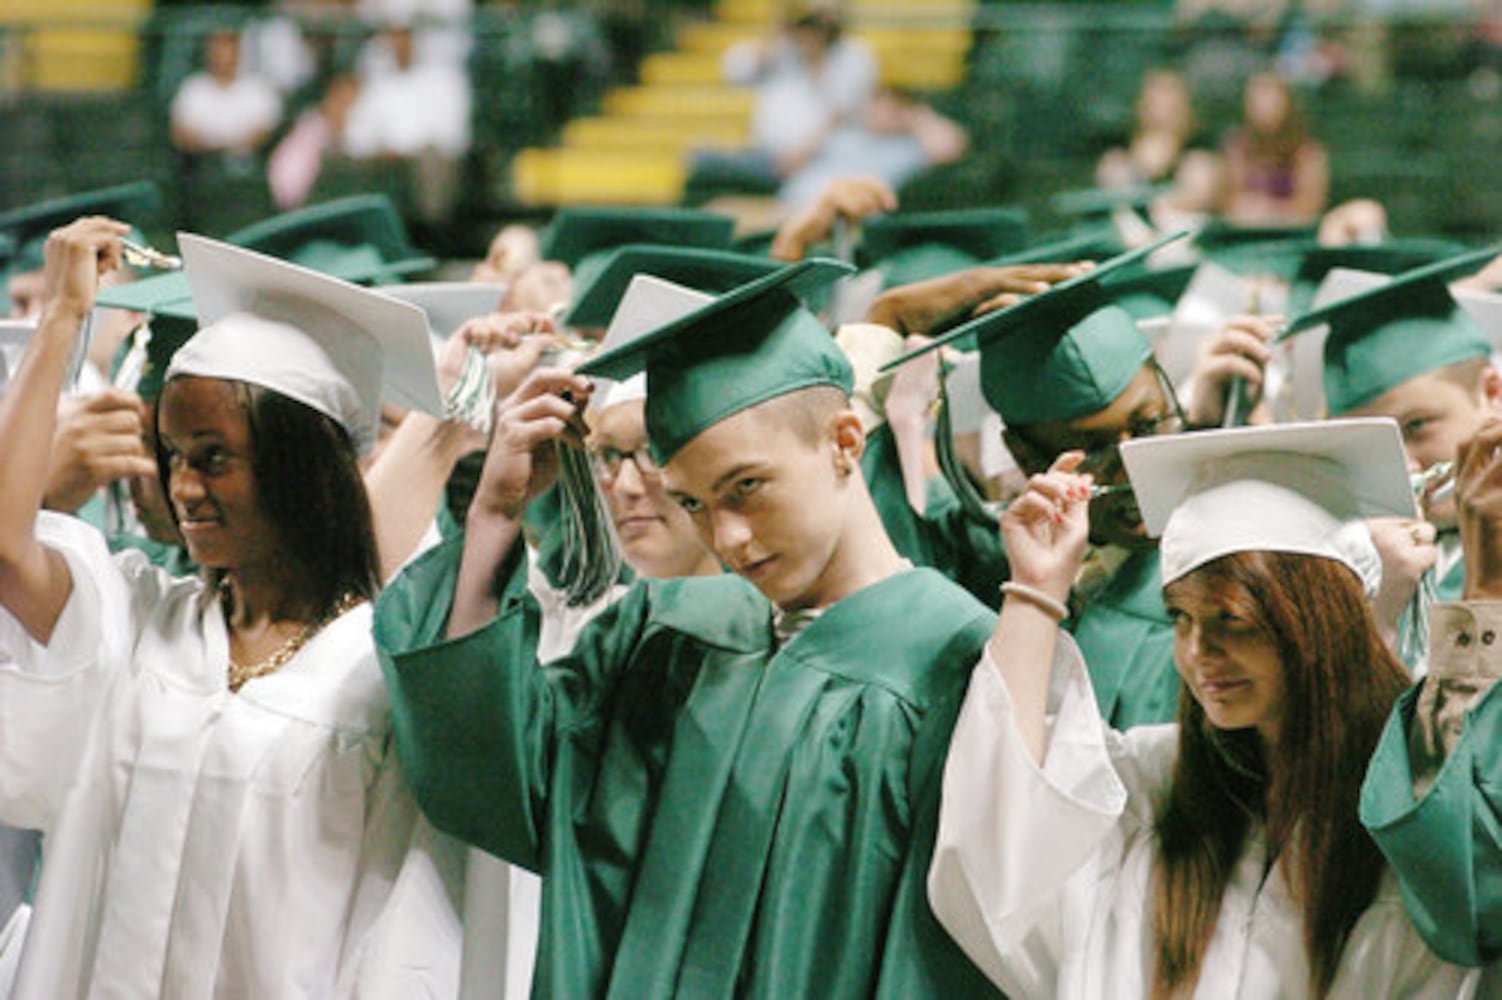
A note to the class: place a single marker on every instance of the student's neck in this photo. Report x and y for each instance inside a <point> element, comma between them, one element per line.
<point>265,597</point>
<point>864,556</point>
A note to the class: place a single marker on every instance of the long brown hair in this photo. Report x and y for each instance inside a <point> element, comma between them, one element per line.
<point>1340,681</point>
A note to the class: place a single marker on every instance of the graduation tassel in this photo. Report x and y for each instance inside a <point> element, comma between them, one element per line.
<point>1413,623</point>
<point>133,365</point>
<point>955,473</point>
<point>591,561</point>
<point>472,397</point>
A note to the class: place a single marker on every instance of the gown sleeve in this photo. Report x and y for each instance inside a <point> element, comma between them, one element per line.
<point>1023,849</point>
<point>1433,791</point>
<point>479,722</point>
<point>49,694</point>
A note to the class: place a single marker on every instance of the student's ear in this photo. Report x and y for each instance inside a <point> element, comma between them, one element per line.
<point>1029,459</point>
<point>1491,388</point>
<point>848,438</point>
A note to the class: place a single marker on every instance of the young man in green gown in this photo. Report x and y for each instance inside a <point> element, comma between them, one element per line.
<point>730,784</point>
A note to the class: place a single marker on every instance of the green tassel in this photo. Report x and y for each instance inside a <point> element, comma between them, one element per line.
<point>591,561</point>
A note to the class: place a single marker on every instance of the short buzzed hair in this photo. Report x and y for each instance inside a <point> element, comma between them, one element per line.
<point>807,412</point>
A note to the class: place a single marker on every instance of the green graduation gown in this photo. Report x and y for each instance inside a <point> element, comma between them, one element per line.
<point>1126,637</point>
<point>1446,847</point>
<point>713,817</point>
<point>943,537</point>
<point>1451,586</point>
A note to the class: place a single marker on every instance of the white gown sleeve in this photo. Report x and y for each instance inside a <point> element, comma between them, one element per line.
<point>1024,852</point>
<point>49,694</point>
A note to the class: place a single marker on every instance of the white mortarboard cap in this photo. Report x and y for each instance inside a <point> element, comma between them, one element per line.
<point>1212,297</point>
<point>967,407</point>
<point>336,347</point>
<point>1485,308</point>
<point>1299,488</point>
<point>15,334</point>
<point>448,304</point>
<point>1306,352</point>
<point>649,303</point>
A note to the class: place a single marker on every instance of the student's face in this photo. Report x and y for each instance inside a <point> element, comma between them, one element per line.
<point>657,537</point>
<point>204,430</point>
<point>1435,415</point>
<point>146,496</point>
<point>1267,102</point>
<point>1142,409</point>
<point>1229,664</point>
<point>768,502</point>
<point>223,57</point>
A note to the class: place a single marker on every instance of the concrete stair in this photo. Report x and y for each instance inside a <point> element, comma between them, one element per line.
<point>636,150</point>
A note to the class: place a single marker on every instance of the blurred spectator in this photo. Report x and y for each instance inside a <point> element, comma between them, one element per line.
<point>1276,172</point>
<point>222,110</point>
<point>1164,133</point>
<point>896,139</point>
<point>418,113</point>
<point>809,81</point>
<point>297,160</point>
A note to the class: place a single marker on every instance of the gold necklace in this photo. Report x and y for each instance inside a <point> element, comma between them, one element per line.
<point>240,673</point>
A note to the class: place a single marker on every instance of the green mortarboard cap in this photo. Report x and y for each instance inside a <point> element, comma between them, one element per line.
<point>1152,293</point>
<point>752,344</point>
<point>1093,244</point>
<point>914,246</point>
<point>360,239</point>
<point>1399,330</point>
<point>140,364</point>
<point>150,294</point>
<point>1270,250</point>
<point>1060,354</point>
<point>704,270</point>
<point>581,237</point>
<point>1392,257</point>
<point>28,227</point>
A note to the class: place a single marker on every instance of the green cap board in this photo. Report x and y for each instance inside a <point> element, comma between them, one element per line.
<point>1401,329</point>
<point>694,267</point>
<point>1063,353</point>
<point>752,344</point>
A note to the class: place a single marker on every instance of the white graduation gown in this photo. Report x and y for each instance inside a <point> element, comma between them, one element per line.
<point>201,843</point>
<point>1044,876</point>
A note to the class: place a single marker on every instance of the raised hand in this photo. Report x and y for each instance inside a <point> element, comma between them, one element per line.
<point>520,465</point>
<point>97,441</point>
<point>925,307</point>
<point>1045,529</point>
<point>1240,349</point>
<point>850,198</point>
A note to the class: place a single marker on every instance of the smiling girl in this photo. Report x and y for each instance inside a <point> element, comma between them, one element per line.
<point>1222,855</point>
<point>209,757</point>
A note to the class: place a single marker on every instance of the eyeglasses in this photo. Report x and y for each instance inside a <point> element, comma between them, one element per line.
<point>607,461</point>
<point>1107,455</point>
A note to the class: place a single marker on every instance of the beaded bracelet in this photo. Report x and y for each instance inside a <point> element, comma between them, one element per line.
<point>1049,604</point>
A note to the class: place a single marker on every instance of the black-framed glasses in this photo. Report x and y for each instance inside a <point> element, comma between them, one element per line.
<point>1107,455</point>
<point>607,460</point>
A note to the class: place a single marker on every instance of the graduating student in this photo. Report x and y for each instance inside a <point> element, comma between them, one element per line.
<point>1221,856</point>
<point>729,782</point>
<point>209,757</point>
<point>1068,369</point>
<point>1406,349</point>
<point>1429,796</point>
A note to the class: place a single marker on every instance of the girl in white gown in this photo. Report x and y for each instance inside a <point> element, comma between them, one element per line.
<point>1222,856</point>
<point>209,758</point>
